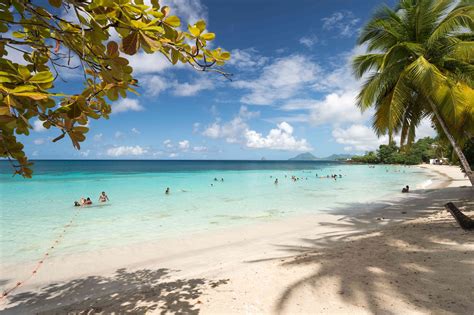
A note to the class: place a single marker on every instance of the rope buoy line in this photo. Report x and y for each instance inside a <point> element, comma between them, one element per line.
<point>41,261</point>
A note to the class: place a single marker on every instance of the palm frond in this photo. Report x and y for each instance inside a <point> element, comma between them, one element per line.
<point>364,63</point>
<point>461,17</point>
<point>463,51</point>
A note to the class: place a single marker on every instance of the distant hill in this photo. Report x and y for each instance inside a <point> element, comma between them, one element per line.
<point>334,157</point>
<point>310,157</point>
<point>304,157</point>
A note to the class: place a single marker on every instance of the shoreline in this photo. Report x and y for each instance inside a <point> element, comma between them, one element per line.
<point>223,253</point>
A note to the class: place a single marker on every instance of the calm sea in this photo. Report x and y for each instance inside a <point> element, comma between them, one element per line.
<point>34,211</point>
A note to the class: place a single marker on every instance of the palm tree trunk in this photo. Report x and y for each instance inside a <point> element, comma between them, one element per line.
<point>457,149</point>
<point>464,221</point>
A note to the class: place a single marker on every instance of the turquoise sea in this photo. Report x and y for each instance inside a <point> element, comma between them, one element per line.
<point>34,211</point>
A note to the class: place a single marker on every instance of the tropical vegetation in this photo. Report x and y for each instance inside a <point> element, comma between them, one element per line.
<point>93,38</point>
<point>419,152</point>
<point>420,65</point>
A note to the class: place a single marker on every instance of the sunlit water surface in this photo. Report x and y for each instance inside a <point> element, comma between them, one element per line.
<point>34,211</point>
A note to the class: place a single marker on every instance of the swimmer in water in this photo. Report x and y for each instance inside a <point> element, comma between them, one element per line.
<point>103,197</point>
<point>167,191</point>
<point>276,181</point>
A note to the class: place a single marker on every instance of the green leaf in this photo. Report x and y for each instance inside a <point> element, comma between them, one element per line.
<point>208,36</point>
<point>194,30</point>
<point>55,3</point>
<point>173,21</point>
<point>165,10</point>
<point>131,43</point>
<point>18,35</point>
<point>225,55</point>
<point>201,25</point>
<point>42,77</point>
<point>24,72</point>
<point>112,49</point>
<point>174,56</point>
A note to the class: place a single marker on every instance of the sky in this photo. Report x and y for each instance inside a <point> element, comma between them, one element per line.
<point>292,90</point>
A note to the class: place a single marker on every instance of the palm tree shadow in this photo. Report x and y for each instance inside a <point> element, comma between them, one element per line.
<point>135,292</point>
<point>414,262</point>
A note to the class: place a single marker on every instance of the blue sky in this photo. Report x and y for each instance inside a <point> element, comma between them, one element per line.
<point>292,90</point>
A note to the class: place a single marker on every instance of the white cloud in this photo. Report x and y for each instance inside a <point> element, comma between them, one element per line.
<point>173,155</point>
<point>238,131</point>
<point>155,85</point>
<point>167,143</point>
<point>233,130</point>
<point>337,108</point>
<point>425,129</point>
<point>135,131</point>
<point>280,138</point>
<point>38,126</point>
<point>199,149</point>
<point>98,137</point>
<point>191,89</point>
<point>358,138</point>
<point>85,153</point>
<point>143,63</point>
<point>344,22</point>
<point>183,145</point>
<point>309,41</point>
<point>126,150</point>
<point>39,141</point>
<point>127,104</point>
<point>189,11</point>
<point>247,59</point>
<point>280,80</point>
<point>119,135</point>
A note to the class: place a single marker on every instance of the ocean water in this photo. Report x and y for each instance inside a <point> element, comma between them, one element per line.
<point>33,212</point>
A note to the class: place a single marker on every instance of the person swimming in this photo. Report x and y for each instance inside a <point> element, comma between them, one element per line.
<point>222,180</point>
<point>276,181</point>
<point>88,201</point>
<point>406,189</point>
<point>167,191</point>
<point>103,197</point>
<point>77,204</point>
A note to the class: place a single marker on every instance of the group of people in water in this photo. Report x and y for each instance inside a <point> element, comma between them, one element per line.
<point>296,178</point>
<point>87,201</point>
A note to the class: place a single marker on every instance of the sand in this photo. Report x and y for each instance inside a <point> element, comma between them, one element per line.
<point>404,255</point>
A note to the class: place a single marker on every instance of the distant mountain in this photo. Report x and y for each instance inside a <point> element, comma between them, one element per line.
<point>304,157</point>
<point>310,157</point>
<point>334,157</point>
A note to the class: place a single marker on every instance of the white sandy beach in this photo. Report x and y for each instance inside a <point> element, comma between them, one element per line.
<point>405,255</point>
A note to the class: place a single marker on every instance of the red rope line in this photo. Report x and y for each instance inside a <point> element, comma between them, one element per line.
<point>40,262</point>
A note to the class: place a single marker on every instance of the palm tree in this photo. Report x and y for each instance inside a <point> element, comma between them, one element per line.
<point>420,64</point>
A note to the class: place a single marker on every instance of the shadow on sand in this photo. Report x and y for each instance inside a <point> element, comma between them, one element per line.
<point>414,262</point>
<point>136,292</point>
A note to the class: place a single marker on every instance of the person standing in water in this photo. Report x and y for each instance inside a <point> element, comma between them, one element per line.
<point>103,197</point>
<point>167,191</point>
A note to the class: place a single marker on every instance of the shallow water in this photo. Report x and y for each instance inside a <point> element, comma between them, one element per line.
<point>34,211</point>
